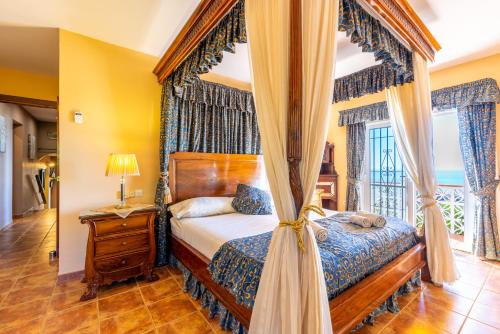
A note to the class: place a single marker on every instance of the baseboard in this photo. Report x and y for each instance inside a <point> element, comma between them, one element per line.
<point>70,276</point>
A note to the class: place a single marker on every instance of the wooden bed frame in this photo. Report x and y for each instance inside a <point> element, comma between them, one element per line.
<point>209,174</point>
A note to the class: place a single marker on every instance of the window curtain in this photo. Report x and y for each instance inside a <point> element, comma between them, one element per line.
<point>356,136</point>
<point>291,297</point>
<point>411,120</point>
<point>477,128</point>
<point>214,118</point>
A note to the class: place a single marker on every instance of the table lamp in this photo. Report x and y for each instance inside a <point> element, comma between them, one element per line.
<point>122,165</point>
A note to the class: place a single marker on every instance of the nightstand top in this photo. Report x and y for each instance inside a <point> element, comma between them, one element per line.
<point>123,213</point>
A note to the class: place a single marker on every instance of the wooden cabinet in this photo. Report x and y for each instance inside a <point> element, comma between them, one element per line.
<point>328,179</point>
<point>119,248</point>
<point>328,183</point>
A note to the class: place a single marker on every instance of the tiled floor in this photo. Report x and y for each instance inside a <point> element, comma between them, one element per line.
<point>32,301</point>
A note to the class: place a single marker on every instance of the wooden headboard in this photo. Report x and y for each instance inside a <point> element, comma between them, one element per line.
<point>213,174</point>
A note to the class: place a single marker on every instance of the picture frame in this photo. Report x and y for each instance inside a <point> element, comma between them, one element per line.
<point>3,135</point>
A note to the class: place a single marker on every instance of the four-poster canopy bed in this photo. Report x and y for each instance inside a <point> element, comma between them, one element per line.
<point>192,175</point>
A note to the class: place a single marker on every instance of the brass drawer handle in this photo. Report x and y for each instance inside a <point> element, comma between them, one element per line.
<point>124,262</point>
<point>124,243</point>
<point>124,225</point>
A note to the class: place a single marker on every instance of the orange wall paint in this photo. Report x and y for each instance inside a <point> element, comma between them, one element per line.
<point>119,97</point>
<point>488,67</point>
<point>27,84</point>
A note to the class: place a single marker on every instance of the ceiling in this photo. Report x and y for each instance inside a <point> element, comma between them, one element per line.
<point>465,29</point>
<point>42,114</point>
<point>349,59</point>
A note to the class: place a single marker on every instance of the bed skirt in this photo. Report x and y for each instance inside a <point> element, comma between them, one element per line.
<point>229,323</point>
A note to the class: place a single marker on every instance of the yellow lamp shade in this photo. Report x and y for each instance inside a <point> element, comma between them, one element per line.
<point>122,165</point>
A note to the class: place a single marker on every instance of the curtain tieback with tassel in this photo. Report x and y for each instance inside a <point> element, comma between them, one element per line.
<point>299,224</point>
<point>428,201</point>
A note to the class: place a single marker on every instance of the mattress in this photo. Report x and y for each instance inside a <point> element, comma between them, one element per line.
<point>208,234</point>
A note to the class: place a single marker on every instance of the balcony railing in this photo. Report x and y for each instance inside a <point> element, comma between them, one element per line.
<point>451,200</point>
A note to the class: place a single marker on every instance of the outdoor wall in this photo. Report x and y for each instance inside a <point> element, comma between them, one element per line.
<point>488,67</point>
<point>16,191</point>
<point>119,97</point>
<point>27,84</point>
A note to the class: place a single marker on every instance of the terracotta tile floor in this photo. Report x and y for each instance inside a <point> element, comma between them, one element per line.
<point>32,301</point>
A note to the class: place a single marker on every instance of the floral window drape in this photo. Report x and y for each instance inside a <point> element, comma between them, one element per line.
<point>476,106</point>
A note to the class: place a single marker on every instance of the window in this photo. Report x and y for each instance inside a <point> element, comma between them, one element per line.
<point>386,189</point>
<point>452,192</point>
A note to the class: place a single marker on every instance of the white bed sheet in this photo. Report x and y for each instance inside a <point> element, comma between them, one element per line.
<point>208,234</point>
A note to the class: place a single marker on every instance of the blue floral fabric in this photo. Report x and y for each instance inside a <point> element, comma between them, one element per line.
<point>467,94</point>
<point>252,201</point>
<point>348,255</point>
<point>369,113</point>
<point>477,132</point>
<point>369,33</point>
<point>368,81</point>
<point>356,134</point>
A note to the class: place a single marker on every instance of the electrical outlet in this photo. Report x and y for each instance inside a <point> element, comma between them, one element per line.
<point>139,193</point>
<point>131,194</point>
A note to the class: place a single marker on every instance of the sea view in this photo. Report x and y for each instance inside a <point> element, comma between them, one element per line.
<point>444,177</point>
<point>451,177</point>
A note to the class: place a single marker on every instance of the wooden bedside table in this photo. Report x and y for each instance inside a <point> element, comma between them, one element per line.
<point>118,248</point>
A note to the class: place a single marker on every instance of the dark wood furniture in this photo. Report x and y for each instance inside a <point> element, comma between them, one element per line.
<point>208,174</point>
<point>328,179</point>
<point>118,248</point>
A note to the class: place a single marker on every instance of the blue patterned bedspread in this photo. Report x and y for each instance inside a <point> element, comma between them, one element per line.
<point>348,255</point>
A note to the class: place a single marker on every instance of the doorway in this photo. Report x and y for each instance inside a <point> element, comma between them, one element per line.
<point>32,147</point>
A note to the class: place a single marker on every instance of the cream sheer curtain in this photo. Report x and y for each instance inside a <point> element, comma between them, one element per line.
<point>410,108</point>
<point>292,294</point>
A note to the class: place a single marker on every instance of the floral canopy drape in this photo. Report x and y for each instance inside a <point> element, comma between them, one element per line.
<point>475,103</point>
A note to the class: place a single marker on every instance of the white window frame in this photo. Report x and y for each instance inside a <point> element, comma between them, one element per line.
<point>365,177</point>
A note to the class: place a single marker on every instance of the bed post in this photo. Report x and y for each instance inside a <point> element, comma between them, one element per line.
<point>294,139</point>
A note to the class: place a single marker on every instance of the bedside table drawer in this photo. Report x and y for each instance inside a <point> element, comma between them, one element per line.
<point>118,263</point>
<point>121,225</point>
<point>122,244</point>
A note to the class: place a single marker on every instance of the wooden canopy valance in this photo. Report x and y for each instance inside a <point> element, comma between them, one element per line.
<point>396,15</point>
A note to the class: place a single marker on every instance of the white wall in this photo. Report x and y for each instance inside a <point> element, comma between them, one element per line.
<point>16,189</point>
<point>6,172</point>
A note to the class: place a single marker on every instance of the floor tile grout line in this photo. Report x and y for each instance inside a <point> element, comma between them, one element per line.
<point>147,309</point>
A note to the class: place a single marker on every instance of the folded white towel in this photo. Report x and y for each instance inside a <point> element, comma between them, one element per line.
<point>360,220</point>
<point>320,232</point>
<point>374,219</point>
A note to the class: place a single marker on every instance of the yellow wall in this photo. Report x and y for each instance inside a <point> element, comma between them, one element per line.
<point>488,67</point>
<point>227,81</point>
<point>26,84</point>
<point>119,97</point>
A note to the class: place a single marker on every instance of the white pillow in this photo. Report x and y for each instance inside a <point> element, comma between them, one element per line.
<point>202,207</point>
